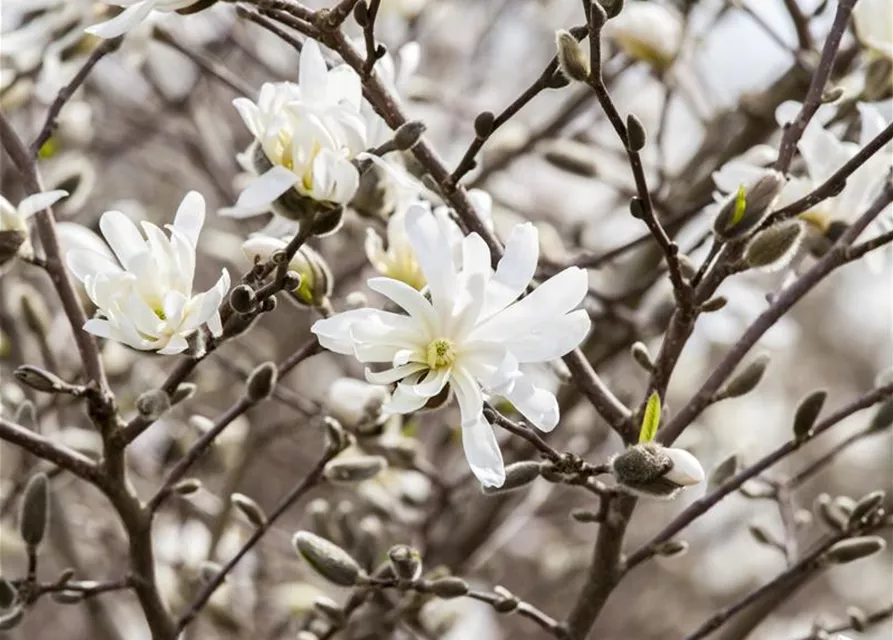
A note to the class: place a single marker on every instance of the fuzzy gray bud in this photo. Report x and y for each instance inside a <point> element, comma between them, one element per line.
<point>152,404</point>
<point>517,475</point>
<point>641,356</point>
<point>808,412</point>
<point>249,508</point>
<point>8,594</point>
<point>35,510</point>
<point>187,487</point>
<point>261,382</point>
<point>184,391</point>
<point>406,562</point>
<point>483,124</point>
<point>723,471</point>
<point>748,379</point>
<point>642,468</point>
<point>40,379</point>
<point>328,559</point>
<point>714,304</point>
<point>336,438</point>
<point>571,59</point>
<point>866,507</point>
<point>408,135</point>
<point>507,602</point>
<point>672,548</point>
<point>635,133</point>
<point>242,299</point>
<point>449,587</point>
<point>744,211</point>
<point>854,549</point>
<point>354,469</point>
<point>883,417</point>
<point>773,248</point>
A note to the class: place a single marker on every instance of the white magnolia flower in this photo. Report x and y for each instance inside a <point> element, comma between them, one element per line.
<point>472,335</point>
<point>145,297</point>
<point>648,32</point>
<point>307,134</point>
<point>134,13</point>
<point>14,222</point>
<point>686,471</point>
<point>873,20</point>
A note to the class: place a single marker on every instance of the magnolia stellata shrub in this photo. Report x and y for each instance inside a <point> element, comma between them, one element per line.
<point>391,318</point>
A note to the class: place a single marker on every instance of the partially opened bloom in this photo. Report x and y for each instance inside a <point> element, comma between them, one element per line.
<point>134,13</point>
<point>316,277</point>
<point>306,136</point>
<point>14,222</point>
<point>648,32</point>
<point>472,336</point>
<point>145,296</point>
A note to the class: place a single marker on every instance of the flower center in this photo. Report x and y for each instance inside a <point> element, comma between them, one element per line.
<point>440,353</point>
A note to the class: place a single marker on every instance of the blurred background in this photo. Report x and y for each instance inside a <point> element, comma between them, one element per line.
<point>151,124</point>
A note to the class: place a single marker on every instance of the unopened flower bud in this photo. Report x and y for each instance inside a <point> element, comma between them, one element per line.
<point>361,13</point>
<point>714,304</point>
<point>184,391</point>
<point>641,356</point>
<point>572,60</point>
<point>321,515</point>
<point>517,475</point>
<point>483,124</point>
<point>761,535</point>
<point>612,7</point>
<point>249,508</point>
<point>866,507</point>
<point>586,516</point>
<point>152,404</point>
<point>635,133</point>
<point>748,379</point>
<point>773,248</point>
<point>8,594</point>
<point>40,379</point>
<point>261,382</point>
<point>354,469</point>
<point>336,439</point>
<point>883,416</point>
<point>808,412</point>
<point>35,510</point>
<point>571,157</point>
<point>723,471</point>
<point>408,135</point>
<point>652,470</point>
<point>672,548</point>
<point>26,415</point>
<point>242,299</point>
<point>854,549</point>
<point>208,571</point>
<point>328,559</point>
<point>832,94</point>
<point>449,587</point>
<point>327,607</point>
<point>858,619</point>
<point>830,513</point>
<point>636,208</point>
<point>406,562</point>
<point>507,603</point>
<point>355,402</point>
<point>187,487</point>
<point>744,211</point>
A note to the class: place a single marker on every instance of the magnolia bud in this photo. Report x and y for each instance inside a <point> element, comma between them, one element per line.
<point>449,587</point>
<point>570,157</point>
<point>714,304</point>
<point>40,379</point>
<point>35,510</point>
<point>361,13</point>
<point>833,517</point>
<point>761,535</point>
<point>571,59</point>
<point>612,8</point>
<point>507,603</point>
<point>184,391</point>
<point>249,508</point>
<point>406,563</point>
<point>883,417</point>
<point>408,135</point>
<point>858,619</point>
<point>208,571</point>
<point>326,606</point>
<point>866,507</point>
<point>723,471</point>
<point>261,382</point>
<point>636,208</point>
<point>652,470</point>
<point>748,379</point>
<point>832,94</point>
<point>26,415</point>
<point>586,516</point>
<point>152,404</point>
<point>336,439</point>
<point>8,594</point>
<point>483,124</point>
<point>517,475</point>
<point>773,248</point>
<point>808,412</point>
<point>242,299</point>
<point>641,356</point>
<point>854,549</point>
<point>328,559</point>
<point>187,487</point>
<point>672,548</point>
<point>744,211</point>
<point>354,469</point>
<point>635,133</point>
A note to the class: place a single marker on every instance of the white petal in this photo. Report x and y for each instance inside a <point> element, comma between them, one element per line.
<point>389,376</point>
<point>313,73</point>
<point>251,116</point>
<point>434,254</point>
<point>404,400</point>
<point>518,263</point>
<point>39,202</point>
<point>686,468</point>
<point>190,217</point>
<point>176,344</point>
<point>76,236</point>
<point>122,235</point>
<point>483,454</point>
<point>334,333</point>
<point>258,195</point>
<point>84,263</point>
<point>410,300</point>
<point>123,22</point>
<point>475,255</point>
<point>539,406</point>
<point>261,247</point>
<point>433,383</point>
<point>553,339</point>
<point>98,327</point>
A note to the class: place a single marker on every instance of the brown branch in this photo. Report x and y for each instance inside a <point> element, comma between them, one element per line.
<point>45,449</point>
<point>801,24</point>
<point>216,68</point>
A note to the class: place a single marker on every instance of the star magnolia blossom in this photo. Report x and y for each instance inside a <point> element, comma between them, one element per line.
<point>307,133</point>
<point>135,12</point>
<point>873,20</point>
<point>647,31</point>
<point>145,297</point>
<point>472,336</point>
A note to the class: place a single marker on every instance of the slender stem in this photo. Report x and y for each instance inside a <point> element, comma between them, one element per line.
<point>45,449</point>
<point>216,68</point>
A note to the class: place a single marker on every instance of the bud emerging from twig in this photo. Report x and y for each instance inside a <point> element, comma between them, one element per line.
<point>328,559</point>
<point>517,475</point>
<point>858,619</point>
<point>830,513</point>
<point>507,603</point>
<point>808,412</point>
<point>773,248</point>
<point>40,379</point>
<point>744,211</point>
<point>184,391</point>
<point>242,299</point>
<point>208,571</point>
<point>261,382</point>
<point>35,510</point>
<point>572,60</point>
<point>249,508</point>
<point>636,208</point>
<point>449,587</point>
<point>672,548</point>
<point>635,133</point>
<point>152,404</point>
<point>408,135</point>
<point>641,356</point>
<point>354,469</point>
<point>714,304</point>
<point>586,516</point>
<point>187,487</point>
<point>652,470</point>
<point>723,471</point>
<point>883,417</point>
<point>336,438</point>
<point>761,535</point>
<point>12,618</point>
<point>406,562</point>
<point>866,507</point>
<point>748,379</point>
<point>854,549</point>
<point>483,124</point>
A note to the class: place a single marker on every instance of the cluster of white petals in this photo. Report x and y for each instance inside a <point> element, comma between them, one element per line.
<point>145,297</point>
<point>472,336</point>
<point>307,133</point>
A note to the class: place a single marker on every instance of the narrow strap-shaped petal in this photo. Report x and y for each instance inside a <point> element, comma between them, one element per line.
<point>483,454</point>
<point>122,235</point>
<point>39,201</point>
<point>410,300</point>
<point>433,251</point>
<point>123,22</point>
<point>190,217</point>
<point>539,406</point>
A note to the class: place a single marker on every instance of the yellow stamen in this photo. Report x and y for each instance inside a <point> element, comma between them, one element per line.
<point>440,353</point>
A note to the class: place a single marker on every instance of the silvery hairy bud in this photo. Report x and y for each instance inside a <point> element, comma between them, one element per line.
<point>572,60</point>
<point>328,559</point>
<point>152,404</point>
<point>40,379</point>
<point>517,475</point>
<point>808,412</point>
<point>34,514</point>
<point>408,135</point>
<point>774,248</point>
<point>651,470</point>
<point>746,381</point>
<point>641,356</point>
<point>406,562</point>
<point>352,469</point>
<point>242,299</point>
<point>744,211</point>
<point>847,551</point>
<point>449,587</point>
<point>261,382</point>
<point>249,508</point>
